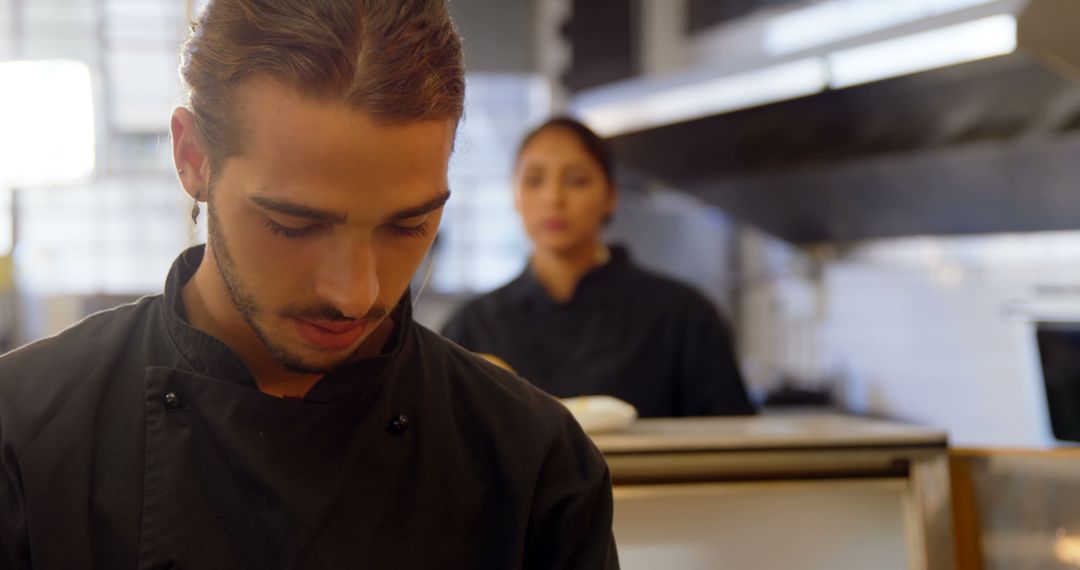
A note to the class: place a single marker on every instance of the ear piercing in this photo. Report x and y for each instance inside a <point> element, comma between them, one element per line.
<point>195,210</point>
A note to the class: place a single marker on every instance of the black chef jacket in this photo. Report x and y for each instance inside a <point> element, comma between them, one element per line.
<point>626,332</point>
<point>133,440</point>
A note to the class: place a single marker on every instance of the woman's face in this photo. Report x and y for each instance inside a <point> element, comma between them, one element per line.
<point>561,192</point>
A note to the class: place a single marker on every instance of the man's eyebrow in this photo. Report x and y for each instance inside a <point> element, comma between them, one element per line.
<point>290,208</point>
<point>296,210</point>
<point>423,209</point>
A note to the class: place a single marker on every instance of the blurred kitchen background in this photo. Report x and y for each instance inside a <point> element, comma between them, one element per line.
<point>883,195</point>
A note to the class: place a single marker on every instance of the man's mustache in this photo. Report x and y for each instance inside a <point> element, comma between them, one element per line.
<point>326,312</point>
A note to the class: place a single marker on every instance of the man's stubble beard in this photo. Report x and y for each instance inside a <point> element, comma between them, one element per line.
<point>246,305</point>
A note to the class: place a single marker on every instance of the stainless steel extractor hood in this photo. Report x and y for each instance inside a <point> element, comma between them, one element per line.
<point>965,119</point>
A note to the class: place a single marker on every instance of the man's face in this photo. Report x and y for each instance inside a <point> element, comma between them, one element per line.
<point>318,225</point>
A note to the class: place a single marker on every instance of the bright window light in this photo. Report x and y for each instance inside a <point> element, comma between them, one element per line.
<point>46,123</point>
<point>6,234</point>
<point>710,97</point>
<point>837,20</point>
<point>971,41</point>
<point>482,244</point>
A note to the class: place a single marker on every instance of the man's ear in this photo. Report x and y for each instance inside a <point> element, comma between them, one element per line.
<point>192,165</point>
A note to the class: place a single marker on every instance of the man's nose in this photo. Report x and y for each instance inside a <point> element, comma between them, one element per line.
<point>349,281</point>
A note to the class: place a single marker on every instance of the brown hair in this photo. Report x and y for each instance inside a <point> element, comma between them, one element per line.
<point>398,60</point>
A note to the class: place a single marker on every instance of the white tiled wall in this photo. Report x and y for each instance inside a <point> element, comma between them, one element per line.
<point>938,331</point>
<point>676,235</point>
<point>938,352</point>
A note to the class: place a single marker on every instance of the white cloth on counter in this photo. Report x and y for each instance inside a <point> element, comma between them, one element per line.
<point>600,414</point>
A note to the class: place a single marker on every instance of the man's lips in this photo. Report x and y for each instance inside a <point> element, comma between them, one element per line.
<point>330,335</point>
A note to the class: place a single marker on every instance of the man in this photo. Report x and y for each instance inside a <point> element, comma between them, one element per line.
<point>277,407</point>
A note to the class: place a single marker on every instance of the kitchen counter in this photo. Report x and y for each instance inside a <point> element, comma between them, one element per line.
<point>764,432</point>
<point>839,491</point>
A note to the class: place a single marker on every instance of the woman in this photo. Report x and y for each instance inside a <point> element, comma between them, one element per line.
<point>583,319</point>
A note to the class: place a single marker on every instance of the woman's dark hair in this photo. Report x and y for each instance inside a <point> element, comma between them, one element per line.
<point>594,145</point>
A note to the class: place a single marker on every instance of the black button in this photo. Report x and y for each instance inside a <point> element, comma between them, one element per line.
<point>172,401</point>
<point>398,424</point>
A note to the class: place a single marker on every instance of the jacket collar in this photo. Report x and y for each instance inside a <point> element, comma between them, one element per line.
<point>205,355</point>
<point>593,286</point>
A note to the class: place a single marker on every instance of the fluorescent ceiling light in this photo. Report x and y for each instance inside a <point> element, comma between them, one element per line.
<point>46,123</point>
<point>705,98</point>
<point>836,20</point>
<point>619,110</point>
<point>970,41</point>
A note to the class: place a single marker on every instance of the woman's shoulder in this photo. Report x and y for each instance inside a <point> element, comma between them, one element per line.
<point>502,298</point>
<point>649,283</point>
<point>483,312</point>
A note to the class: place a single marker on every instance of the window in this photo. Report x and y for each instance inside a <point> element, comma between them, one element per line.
<point>116,237</point>
<point>481,244</point>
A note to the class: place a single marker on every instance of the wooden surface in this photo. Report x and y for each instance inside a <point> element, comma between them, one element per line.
<point>966,528</point>
<point>1016,508</point>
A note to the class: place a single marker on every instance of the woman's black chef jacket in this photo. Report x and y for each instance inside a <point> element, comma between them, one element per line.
<point>133,440</point>
<point>626,332</point>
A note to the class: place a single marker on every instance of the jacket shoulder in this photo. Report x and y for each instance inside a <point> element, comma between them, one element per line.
<point>87,337</point>
<point>55,367</point>
<point>540,449</point>
<point>495,396</point>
